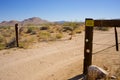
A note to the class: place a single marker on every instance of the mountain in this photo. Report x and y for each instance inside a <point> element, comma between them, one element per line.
<point>9,23</point>
<point>33,20</point>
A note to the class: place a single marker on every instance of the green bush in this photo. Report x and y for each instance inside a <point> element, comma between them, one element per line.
<point>59,35</point>
<point>26,43</point>
<point>70,25</point>
<point>2,42</point>
<point>5,27</point>
<point>44,28</point>
<point>78,30</point>
<point>33,32</point>
<point>44,35</point>
<point>1,39</point>
<point>23,44</point>
<point>67,28</point>
<point>2,46</point>
<point>11,43</point>
<point>30,29</point>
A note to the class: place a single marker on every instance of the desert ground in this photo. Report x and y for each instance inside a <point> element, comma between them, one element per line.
<point>59,60</point>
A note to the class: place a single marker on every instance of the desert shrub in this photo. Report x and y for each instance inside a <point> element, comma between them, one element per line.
<point>54,29</point>
<point>44,28</point>
<point>78,30</point>
<point>7,33</point>
<point>30,29</point>
<point>31,40</point>
<point>22,30</point>
<point>5,40</point>
<point>2,42</point>
<point>11,43</point>
<point>26,42</point>
<point>23,44</point>
<point>33,32</point>
<point>1,38</point>
<point>72,33</point>
<point>26,29</point>
<point>5,27</point>
<point>44,35</point>
<point>59,35</point>
<point>2,46</point>
<point>71,25</point>
<point>67,28</point>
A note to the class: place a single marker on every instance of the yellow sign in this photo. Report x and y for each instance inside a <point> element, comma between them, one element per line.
<point>89,23</point>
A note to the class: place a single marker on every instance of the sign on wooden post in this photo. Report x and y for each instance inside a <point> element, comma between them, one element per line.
<point>89,23</point>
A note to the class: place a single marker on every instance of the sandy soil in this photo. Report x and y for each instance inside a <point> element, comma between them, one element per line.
<point>59,60</point>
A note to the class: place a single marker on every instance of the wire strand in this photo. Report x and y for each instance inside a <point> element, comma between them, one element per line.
<point>104,49</point>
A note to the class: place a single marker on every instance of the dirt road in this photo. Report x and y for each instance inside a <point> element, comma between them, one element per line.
<point>59,60</point>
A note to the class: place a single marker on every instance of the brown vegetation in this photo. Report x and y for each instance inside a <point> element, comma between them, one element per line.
<point>31,33</point>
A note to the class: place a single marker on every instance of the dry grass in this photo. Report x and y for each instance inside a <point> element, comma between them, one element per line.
<point>44,36</point>
<point>59,36</point>
<point>102,28</point>
<point>31,33</point>
<point>118,73</point>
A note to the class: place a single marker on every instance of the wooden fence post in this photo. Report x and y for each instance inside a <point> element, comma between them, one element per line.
<point>16,32</point>
<point>116,39</point>
<point>89,23</point>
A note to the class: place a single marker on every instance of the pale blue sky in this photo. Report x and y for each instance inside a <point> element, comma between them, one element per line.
<point>58,10</point>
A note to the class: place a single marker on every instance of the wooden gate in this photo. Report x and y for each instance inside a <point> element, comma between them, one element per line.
<point>89,24</point>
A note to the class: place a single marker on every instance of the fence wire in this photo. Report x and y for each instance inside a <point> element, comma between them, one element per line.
<point>104,41</point>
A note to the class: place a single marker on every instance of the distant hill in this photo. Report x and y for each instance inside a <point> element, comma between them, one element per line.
<point>33,20</point>
<point>9,23</point>
<point>60,22</point>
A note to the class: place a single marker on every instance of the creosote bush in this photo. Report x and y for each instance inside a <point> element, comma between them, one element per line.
<point>11,43</point>
<point>1,38</point>
<point>30,29</point>
<point>31,33</point>
<point>26,42</point>
<point>44,35</point>
<point>44,28</point>
<point>59,35</point>
<point>23,44</point>
<point>67,28</point>
<point>2,46</point>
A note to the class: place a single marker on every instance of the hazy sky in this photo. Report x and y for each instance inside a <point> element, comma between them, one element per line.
<point>57,10</point>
